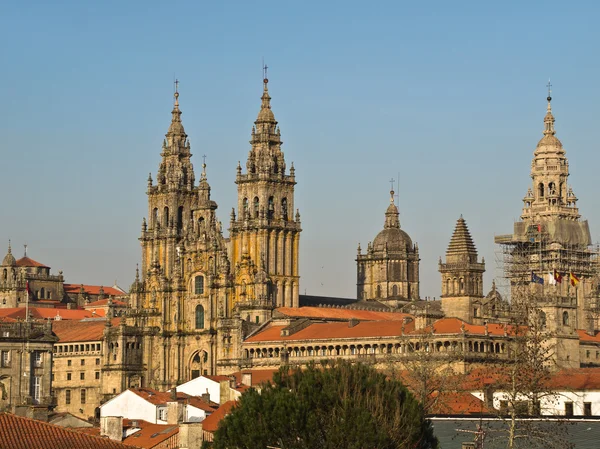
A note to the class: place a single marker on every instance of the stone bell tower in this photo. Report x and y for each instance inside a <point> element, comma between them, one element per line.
<point>265,234</point>
<point>462,276</point>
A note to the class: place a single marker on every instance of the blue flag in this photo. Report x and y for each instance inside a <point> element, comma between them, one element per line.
<point>537,279</point>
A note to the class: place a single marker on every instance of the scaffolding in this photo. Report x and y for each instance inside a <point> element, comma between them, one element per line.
<point>534,253</point>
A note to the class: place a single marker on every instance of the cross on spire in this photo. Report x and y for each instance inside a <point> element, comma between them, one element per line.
<point>549,86</point>
<point>25,246</point>
<point>265,76</point>
<point>176,82</point>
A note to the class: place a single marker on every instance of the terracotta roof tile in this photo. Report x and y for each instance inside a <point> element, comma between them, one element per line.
<point>27,262</point>
<point>341,314</point>
<point>584,336</point>
<point>92,289</point>
<point>159,398</point>
<point>455,326</point>
<point>211,423</point>
<point>457,403</point>
<point>259,376</point>
<point>73,331</point>
<point>51,313</point>
<point>104,302</point>
<point>23,433</point>
<point>334,330</point>
<point>151,435</point>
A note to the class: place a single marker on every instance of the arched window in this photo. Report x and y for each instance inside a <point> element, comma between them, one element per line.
<point>199,285</point>
<point>284,209</point>
<point>154,217</point>
<point>256,205</point>
<point>42,293</point>
<point>166,217</point>
<point>245,207</point>
<point>565,318</point>
<point>552,188</point>
<point>462,285</point>
<point>199,317</point>
<point>271,209</point>
<point>378,292</point>
<point>395,290</point>
<point>541,190</point>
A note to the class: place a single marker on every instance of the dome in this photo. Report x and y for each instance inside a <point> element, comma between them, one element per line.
<point>266,115</point>
<point>395,238</point>
<point>9,259</point>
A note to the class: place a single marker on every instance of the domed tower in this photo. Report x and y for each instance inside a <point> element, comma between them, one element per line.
<point>389,271</point>
<point>462,276</point>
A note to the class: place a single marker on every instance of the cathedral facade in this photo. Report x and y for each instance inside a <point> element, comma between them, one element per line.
<point>197,291</point>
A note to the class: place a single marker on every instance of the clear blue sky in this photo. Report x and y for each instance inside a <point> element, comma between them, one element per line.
<point>451,95</point>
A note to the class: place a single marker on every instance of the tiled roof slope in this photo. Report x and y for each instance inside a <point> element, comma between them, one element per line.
<point>92,289</point>
<point>23,433</point>
<point>320,331</point>
<point>211,423</point>
<point>50,313</point>
<point>340,314</point>
<point>151,435</point>
<point>73,331</point>
<point>27,262</point>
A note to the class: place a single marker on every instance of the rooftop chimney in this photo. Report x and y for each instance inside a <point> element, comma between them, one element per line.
<point>112,427</point>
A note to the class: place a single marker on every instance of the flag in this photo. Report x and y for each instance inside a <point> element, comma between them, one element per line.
<point>551,278</point>
<point>558,277</point>
<point>539,228</point>
<point>574,279</point>
<point>537,279</point>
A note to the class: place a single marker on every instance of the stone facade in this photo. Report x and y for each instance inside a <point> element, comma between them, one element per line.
<point>25,365</point>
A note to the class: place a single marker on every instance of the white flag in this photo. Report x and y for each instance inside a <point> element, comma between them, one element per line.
<point>551,279</point>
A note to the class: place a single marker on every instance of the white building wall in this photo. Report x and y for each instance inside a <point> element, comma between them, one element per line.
<point>194,414</point>
<point>130,406</point>
<point>199,386</point>
<point>554,404</point>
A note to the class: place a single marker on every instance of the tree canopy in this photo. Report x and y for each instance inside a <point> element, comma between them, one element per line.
<point>343,405</point>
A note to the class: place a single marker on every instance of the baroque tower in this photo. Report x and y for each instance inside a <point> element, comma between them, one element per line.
<point>265,234</point>
<point>389,271</point>
<point>185,277</point>
<point>548,258</point>
<point>462,276</point>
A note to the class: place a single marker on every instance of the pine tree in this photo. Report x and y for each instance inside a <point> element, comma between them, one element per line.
<point>340,406</point>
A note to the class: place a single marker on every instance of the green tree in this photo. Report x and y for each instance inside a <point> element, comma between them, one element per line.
<point>343,405</point>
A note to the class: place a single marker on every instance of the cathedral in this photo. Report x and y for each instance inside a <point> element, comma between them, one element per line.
<point>209,301</point>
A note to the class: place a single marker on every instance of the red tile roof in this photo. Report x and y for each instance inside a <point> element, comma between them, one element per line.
<point>24,433</point>
<point>74,331</point>
<point>92,289</point>
<point>159,398</point>
<point>341,314</point>
<point>259,376</point>
<point>27,262</point>
<point>457,403</point>
<point>335,330</point>
<point>584,336</point>
<point>51,313</point>
<point>455,326</point>
<point>104,302</point>
<point>211,423</point>
<point>151,435</point>
<point>578,379</point>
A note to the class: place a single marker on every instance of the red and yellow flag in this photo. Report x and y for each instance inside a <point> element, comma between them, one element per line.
<point>574,279</point>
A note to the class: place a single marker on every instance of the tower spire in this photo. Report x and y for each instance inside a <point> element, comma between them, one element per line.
<point>549,118</point>
<point>176,127</point>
